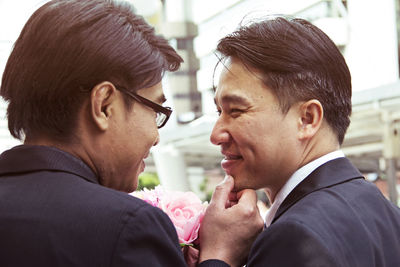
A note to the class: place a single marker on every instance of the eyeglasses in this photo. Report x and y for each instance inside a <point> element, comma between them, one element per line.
<point>163,113</point>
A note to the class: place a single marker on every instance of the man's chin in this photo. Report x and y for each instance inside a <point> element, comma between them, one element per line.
<point>130,186</point>
<point>239,187</point>
<point>135,183</point>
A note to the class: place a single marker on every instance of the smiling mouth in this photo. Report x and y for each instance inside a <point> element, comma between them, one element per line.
<point>232,157</point>
<point>230,162</point>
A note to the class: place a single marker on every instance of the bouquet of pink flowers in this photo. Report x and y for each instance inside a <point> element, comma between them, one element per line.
<point>186,211</point>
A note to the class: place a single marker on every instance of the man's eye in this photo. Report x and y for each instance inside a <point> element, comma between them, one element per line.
<point>235,112</point>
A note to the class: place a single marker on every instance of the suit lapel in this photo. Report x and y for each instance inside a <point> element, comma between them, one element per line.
<point>333,172</point>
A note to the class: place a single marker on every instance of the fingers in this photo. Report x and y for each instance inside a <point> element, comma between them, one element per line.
<point>233,196</point>
<point>247,196</point>
<point>230,203</point>
<point>222,192</point>
<point>247,200</point>
<point>248,204</point>
<point>232,200</point>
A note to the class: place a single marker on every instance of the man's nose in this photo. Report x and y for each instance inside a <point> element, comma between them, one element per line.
<point>219,134</point>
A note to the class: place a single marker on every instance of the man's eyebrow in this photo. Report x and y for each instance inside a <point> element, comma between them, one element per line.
<point>235,99</point>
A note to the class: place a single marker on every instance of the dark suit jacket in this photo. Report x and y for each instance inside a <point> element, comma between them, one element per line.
<point>332,218</point>
<point>53,212</point>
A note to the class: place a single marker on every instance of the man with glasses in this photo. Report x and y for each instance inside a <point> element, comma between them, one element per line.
<point>84,93</point>
<point>163,113</point>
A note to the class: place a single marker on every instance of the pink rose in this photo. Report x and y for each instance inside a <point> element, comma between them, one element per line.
<point>153,197</point>
<point>186,212</point>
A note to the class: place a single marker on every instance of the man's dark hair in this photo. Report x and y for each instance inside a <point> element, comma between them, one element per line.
<point>65,49</point>
<point>298,62</point>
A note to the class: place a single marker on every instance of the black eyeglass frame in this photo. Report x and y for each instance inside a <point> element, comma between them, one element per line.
<point>154,106</point>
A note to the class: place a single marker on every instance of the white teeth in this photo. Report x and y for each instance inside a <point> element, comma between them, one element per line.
<point>232,157</point>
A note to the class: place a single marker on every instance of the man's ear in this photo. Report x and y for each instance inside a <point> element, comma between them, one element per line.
<point>102,98</point>
<point>310,119</point>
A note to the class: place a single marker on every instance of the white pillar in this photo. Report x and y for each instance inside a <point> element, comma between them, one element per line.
<point>196,179</point>
<point>179,28</point>
<point>372,49</point>
<point>171,167</point>
<point>170,162</point>
<point>178,10</point>
<point>391,152</point>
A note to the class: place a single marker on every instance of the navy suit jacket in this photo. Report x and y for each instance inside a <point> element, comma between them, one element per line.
<point>332,218</point>
<point>53,212</point>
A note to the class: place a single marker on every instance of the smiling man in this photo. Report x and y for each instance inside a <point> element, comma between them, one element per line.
<point>253,132</point>
<point>284,104</point>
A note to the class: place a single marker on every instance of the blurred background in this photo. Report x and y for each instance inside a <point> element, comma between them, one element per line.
<point>366,32</point>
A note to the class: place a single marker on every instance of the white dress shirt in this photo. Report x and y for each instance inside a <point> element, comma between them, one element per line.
<point>295,179</point>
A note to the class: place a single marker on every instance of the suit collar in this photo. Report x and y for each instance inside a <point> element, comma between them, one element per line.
<point>331,173</point>
<point>28,158</point>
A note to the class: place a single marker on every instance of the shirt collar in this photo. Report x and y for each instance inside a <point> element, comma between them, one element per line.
<point>296,178</point>
<point>30,158</point>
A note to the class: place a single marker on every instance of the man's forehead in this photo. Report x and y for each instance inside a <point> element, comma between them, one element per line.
<point>220,70</point>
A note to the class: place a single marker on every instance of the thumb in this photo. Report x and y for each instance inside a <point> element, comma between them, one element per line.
<point>222,191</point>
<point>247,196</point>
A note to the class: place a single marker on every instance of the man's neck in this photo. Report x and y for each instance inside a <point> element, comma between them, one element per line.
<point>324,142</point>
<point>74,148</point>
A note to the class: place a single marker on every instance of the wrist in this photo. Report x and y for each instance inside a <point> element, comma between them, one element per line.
<point>217,255</point>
